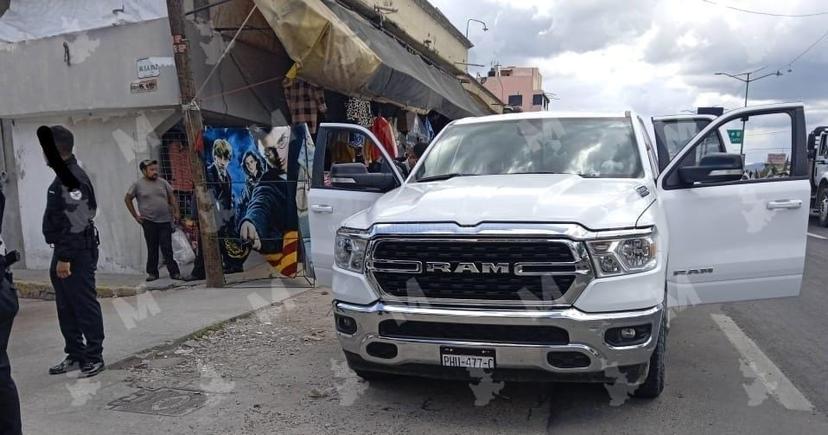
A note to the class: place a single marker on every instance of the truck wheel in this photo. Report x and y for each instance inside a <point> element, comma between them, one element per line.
<point>654,384</point>
<point>822,205</point>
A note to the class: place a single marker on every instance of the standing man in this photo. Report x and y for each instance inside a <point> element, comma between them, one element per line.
<point>157,206</point>
<point>68,226</point>
<point>9,401</point>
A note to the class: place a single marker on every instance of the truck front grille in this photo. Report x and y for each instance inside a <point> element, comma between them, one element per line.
<point>532,271</point>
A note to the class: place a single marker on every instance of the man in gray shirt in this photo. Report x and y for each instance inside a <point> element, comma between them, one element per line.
<point>157,206</point>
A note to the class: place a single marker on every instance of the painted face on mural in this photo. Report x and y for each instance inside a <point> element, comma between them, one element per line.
<point>252,167</point>
<point>221,163</point>
<point>275,146</point>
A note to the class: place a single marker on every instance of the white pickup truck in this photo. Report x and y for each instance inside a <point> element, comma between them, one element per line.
<point>541,245</point>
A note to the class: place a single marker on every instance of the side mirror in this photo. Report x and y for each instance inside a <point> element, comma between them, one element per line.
<point>812,154</point>
<point>714,168</point>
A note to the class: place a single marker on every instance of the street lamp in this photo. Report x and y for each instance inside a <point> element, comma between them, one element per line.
<point>485,29</point>
<point>746,78</point>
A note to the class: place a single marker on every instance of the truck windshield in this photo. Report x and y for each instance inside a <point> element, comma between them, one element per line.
<point>589,147</point>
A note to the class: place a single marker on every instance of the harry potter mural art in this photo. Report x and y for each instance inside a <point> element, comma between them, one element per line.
<point>258,178</point>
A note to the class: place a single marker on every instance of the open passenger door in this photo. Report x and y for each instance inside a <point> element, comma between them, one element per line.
<point>738,220</point>
<point>351,170</point>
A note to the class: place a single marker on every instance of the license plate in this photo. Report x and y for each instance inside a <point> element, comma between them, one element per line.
<point>467,357</point>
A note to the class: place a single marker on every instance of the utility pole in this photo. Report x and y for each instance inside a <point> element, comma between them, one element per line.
<point>194,126</point>
<point>746,79</point>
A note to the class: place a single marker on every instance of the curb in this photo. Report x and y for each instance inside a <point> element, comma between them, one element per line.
<point>40,290</point>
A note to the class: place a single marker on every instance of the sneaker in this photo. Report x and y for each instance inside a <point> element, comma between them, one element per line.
<point>68,364</point>
<point>90,369</point>
<point>151,278</point>
<point>177,277</point>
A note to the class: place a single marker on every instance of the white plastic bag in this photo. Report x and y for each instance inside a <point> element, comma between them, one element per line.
<point>182,251</point>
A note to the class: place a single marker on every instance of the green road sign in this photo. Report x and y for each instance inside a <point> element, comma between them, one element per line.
<point>735,136</point>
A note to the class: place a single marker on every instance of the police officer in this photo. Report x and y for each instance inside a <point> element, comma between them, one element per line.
<point>9,401</point>
<point>68,226</point>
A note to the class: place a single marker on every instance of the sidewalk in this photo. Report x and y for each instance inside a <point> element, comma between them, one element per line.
<point>35,284</point>
<point>132,325</point>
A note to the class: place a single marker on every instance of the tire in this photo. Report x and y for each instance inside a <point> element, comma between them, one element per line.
<point>653,385</point>
<point>822,205</point>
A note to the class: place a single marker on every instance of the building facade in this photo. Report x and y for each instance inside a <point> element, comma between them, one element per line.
<point>520,88</point>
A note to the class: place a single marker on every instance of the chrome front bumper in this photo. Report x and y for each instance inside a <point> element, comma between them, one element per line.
<point>586,335</point>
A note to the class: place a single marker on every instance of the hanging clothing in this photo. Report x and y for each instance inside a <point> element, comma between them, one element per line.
<point>358,111</point>
<point>305,101</point>
<point>181,174</point>
<point>385,133</point>
<point>428,129</point>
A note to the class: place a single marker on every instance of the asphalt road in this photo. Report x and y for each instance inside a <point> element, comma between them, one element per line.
<point>748,368</point>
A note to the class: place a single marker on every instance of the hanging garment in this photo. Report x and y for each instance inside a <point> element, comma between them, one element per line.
<point>385,133</point>
<point>305,101</point>
<point>428,129</point>
<point>358,111</point>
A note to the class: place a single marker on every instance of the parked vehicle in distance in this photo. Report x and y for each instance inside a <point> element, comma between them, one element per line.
<point>818,158</point>
<point>548,246</point>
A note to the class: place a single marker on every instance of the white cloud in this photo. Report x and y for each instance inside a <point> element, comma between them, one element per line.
<point>656,57</point>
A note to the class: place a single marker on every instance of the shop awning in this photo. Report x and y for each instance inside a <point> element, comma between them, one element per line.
<point>340,50</point>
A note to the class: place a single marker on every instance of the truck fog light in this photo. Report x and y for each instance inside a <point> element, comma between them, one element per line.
<point>628,335</point>
<point>345,324</point>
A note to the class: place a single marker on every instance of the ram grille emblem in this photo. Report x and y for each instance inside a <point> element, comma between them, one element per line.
<point>439,266</point>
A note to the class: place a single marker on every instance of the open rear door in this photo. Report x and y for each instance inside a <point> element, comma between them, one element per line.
<point>351,171</point>
<point>738,220</point>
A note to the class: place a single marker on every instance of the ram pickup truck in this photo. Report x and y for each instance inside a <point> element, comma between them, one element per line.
<point>543,245</point>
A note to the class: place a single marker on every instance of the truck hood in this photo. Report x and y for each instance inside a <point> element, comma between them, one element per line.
<point>591,202</point>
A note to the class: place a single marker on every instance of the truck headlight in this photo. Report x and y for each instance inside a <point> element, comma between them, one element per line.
<point>349,249</point>
<point>621,256</point>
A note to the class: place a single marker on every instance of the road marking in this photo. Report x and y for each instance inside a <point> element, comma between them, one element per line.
<point>775,382</point>
<point>818,236</point>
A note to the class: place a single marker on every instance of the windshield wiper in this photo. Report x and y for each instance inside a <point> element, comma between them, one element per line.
<point>442,177</point>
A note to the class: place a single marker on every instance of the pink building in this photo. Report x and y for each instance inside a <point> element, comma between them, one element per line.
<point>518,87</point>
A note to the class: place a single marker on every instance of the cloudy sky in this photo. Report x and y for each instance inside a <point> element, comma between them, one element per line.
<point>656,57</point>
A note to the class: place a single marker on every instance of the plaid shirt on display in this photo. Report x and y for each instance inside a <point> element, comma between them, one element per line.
<point>305,101</point>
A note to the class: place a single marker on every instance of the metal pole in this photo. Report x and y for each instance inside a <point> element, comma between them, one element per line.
<point>742,145</point>
<point>194,125</point>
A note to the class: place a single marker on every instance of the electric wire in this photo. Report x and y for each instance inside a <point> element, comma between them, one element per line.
<point>770,14</point>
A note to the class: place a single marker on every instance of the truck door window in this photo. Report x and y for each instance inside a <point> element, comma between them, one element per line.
<point>675,134</point>
<point>346,146</point>
<point>765,142</point>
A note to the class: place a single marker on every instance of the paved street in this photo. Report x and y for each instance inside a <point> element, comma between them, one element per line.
<point>744,368</point>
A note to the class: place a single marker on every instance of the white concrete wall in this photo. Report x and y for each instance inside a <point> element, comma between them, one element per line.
<point>417,22</point>
<point>109,147</point>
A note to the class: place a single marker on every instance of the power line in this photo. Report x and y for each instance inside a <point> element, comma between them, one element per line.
<point>821,38</point>
<point>770,14</point>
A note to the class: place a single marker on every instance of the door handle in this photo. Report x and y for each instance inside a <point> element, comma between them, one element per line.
<point>319,208</point>
<point>789,204</point>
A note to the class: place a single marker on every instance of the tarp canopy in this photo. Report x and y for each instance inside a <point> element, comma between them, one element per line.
<point>337,49</point>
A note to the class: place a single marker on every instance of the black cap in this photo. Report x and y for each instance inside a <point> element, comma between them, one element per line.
<point>148,162</point>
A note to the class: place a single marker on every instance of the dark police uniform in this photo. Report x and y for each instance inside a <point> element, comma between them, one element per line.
<point>9,402</point>
<point>68,227</point>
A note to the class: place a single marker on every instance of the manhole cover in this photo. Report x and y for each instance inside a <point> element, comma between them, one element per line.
<point>163,401</point>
